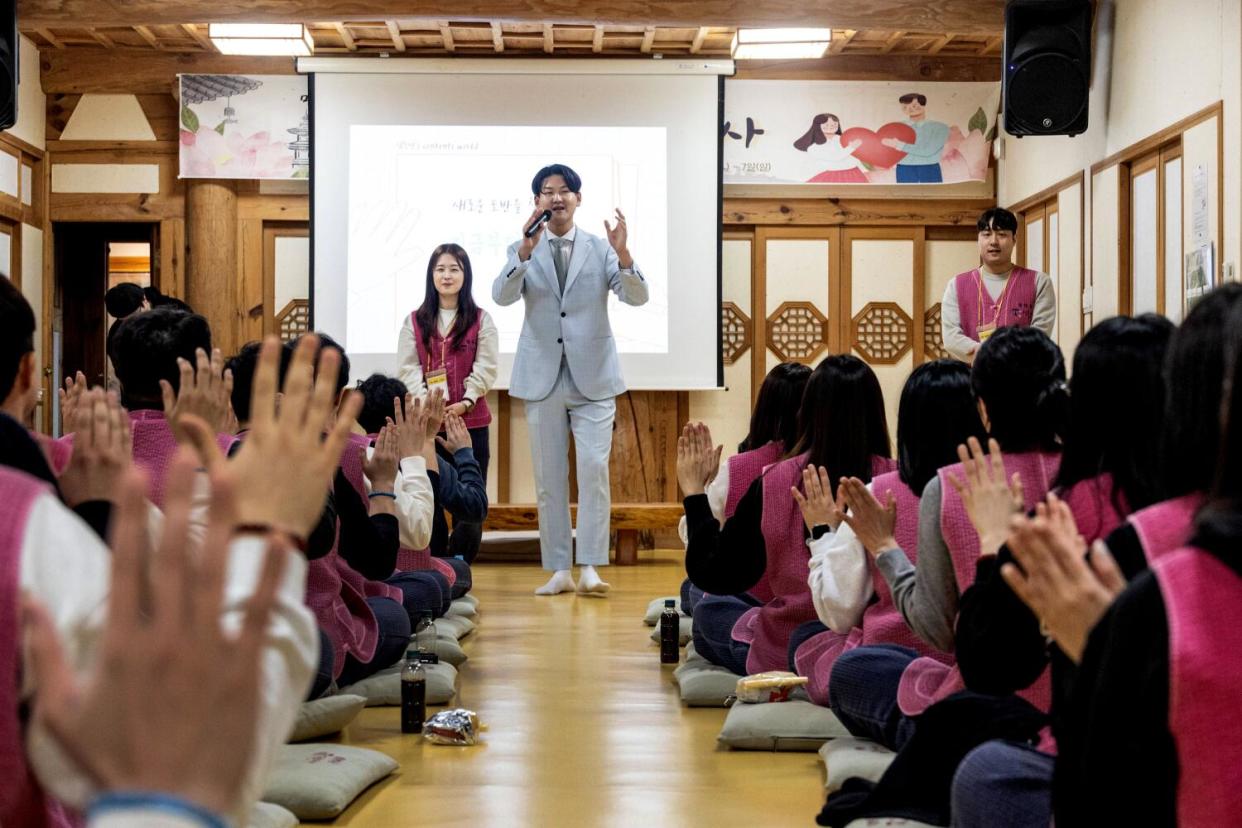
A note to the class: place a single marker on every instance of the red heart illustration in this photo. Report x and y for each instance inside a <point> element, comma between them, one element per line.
<point>873,151</point>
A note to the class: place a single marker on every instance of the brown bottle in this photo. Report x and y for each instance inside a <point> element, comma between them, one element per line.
<point>670,633</point>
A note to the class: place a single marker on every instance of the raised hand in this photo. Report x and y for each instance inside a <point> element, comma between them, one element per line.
<point>696,459</point>
<point>872,522</point>
<point>456,435</point>
<point>990,501</point>
<point>433,407</point>
<point>381,468</point>
<point>528,242</point>
<point>103,719</point>
<point>618,237</point>
<point>411,426</point>
<point>818,506</point>
<point>204,390</point>
<point>1053,576</point>
<point>70,396</point>
<point>102,448</point>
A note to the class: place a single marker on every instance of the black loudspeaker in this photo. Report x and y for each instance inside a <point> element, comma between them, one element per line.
<point>9,51</point>
<point>1047,73</point>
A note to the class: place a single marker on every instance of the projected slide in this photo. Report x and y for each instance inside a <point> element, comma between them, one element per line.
<point>412,188</point>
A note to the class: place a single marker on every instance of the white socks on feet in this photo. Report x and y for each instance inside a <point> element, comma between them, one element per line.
<point>590,583</point>
<point>561,581</point>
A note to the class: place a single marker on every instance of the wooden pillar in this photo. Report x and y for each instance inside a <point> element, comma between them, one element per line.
<point>211,257</point>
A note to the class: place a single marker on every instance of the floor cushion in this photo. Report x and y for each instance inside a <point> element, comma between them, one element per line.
<point>321,717</point>
<point>449,650</point>
<point>463,609</point>
<point>318,781</point>
<point>652,616</point>
<point>384,688</point>
<point>271,815</point>
<point>795,725</point>
<point>685,631</point>
<point>457,626</point>
<point>701,683</point>
<point>848,756</point>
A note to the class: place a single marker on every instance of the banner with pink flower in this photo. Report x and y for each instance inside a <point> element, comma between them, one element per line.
<point>858,132</point>
<point>244,126</point>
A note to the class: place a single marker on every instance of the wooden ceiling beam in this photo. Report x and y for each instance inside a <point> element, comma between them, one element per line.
<point>893,67</point>
<point>945,40</point>
<point>699,37</point>
<point>199,38</point>
<point>47,35</point>
<point>648,39</point>
<point>394,31</point>
<point>992,43</point>
<point>838,44</point>
<point>346,37</point>
<point>937,16</point>
<point>142,71</point>
<point>146,35</point>
<point>891,44</point>
<point>597,39</point>
<point>446,34</point>
<point>549,42</point>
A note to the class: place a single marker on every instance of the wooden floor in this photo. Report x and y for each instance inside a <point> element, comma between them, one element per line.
<point>584,725</point>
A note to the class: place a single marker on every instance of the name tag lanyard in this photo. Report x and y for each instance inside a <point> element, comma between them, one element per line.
<point>986,330</point>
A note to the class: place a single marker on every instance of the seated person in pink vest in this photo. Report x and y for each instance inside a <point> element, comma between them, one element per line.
<point>451,343</point>
<point>154,353</point>
<point>1000,642</point>
<point>854,604</point>
<point>52,557</point>
<point>842,427</point>
<point>996,294</point>
<point>773,431</point>
<point>456,481</point>
<point>1019,384</point>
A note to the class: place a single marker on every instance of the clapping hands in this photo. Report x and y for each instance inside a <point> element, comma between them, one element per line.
<point>204,390</point>
<point>990,500</point>
<point>697,461</point>
<point>818,506</point>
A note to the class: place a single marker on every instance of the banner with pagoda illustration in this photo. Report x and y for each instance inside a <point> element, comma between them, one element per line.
<point>244,126</point>
<point>858,132</point>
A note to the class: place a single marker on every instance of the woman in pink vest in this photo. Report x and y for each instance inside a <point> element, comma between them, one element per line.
<point>773,431</point>
<point>1018,381</point>
<point>451,343</point>
<point>854,604</point>
<point>843,429</point>
<point>996,294</point>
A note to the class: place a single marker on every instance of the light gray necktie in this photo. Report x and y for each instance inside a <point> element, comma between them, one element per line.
<point>558,259</point>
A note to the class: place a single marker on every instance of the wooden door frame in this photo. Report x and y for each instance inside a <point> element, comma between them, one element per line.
<point>273,230</point>
<point>918,299</point>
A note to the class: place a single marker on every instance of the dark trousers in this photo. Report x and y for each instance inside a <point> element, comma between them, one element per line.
<point>467,537</point>
<point>394,637</point>
<point>690,597</point>
<point>423,590</point>
<point>714,618</point>
<point>919,174</point>
<point>863,693</point>
<point>808,630</point>
<point>323,671</point>
<point>1003,783</point>
<point>464,579</point>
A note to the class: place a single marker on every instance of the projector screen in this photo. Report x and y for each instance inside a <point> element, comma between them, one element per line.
<point>404,162</point>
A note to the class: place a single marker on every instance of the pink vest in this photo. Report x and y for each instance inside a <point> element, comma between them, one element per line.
<point>458,363</point>
<point>882,622</point>
<point>744,470</point>
<point>155,446</point>
<point>57,452</point>
<point>1165,526</point>
<point>1203,602</point>
<point>408,560</point>
<point>22,801</point>
<point>768,628</point>
<point>1091,501</point>
<point>927,681</point>
<point>351,465</point>
<point>975,305</point>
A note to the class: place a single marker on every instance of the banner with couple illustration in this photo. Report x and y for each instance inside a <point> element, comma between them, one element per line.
<point>842,132</point>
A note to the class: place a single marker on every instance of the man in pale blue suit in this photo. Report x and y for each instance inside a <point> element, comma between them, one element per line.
<point>566,369</point>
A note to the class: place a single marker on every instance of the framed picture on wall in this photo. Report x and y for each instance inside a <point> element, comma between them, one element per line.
<point>1200,273</point>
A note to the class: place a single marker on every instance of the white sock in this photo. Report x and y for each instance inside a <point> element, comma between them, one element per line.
<point>591,583</point>
<point>561,581</point>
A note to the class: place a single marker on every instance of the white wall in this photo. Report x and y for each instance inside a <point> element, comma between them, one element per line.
<point>31,102</point>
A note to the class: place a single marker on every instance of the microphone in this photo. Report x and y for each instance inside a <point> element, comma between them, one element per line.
<point>544,217</point>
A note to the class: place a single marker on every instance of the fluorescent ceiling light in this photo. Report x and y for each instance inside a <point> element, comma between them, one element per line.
<point>282,39</point>
<point>776,44</point>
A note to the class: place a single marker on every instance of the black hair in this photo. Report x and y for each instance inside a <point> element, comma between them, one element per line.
<point>1218,526</point>
<point>17,327</point>
<point>427,316</point>
<point>913,96</point>
<point>572,181</point>
<point>243,365</point>
<point>841,422</point>
<point>123,299</point>
<point>997,218</point>
<point>937,413</point>
<point>325,341</point>
<point>378,392</point>
<point>159,300</point>
<point>1194,370</point>
<point>1019,374</point>
<point>815,135</point>
<point>776,408</point>
<point>145,349</point>
<point>1116,405</point>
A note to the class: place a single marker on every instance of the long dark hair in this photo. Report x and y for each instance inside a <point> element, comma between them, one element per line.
<point>815,135</point>
<point>1116,405</point>
<point>1219,524</point>
<point>841,421</point>
<point>428,312</point>
<point>1194,368</point>
<point>776,410</point>
<point>937,413</point>
<point>1019,374</point>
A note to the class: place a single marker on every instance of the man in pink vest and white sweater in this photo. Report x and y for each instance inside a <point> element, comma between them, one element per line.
<point>995,294</point>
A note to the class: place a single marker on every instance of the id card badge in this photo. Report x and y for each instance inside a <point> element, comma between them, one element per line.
<point>438,377</point>
<point>985,331</point>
